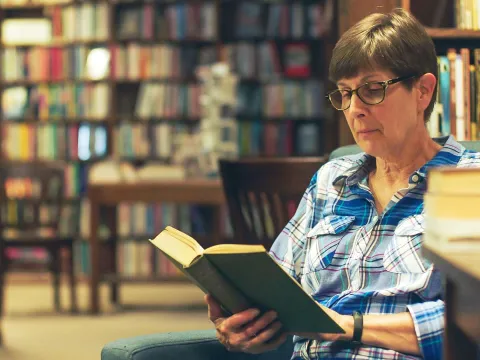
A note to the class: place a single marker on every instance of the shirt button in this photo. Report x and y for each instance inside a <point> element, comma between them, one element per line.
<point>415,178</point>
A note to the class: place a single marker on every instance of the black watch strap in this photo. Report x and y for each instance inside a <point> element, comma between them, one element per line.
<point>357,327</point>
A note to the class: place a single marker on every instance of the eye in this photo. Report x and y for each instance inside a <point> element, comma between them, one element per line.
<point>374,87</point>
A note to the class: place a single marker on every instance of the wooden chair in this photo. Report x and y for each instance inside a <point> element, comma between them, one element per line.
<point>31,201</point>
<point>263,193</point>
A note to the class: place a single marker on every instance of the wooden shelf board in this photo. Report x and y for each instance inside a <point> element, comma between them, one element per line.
<point>51,82</point>
<point>27,6</point>
<point>197,191</point>
<point>452,33</point>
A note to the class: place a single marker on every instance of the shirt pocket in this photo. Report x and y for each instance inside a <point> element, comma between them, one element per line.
<point>323,240</point>
<point>403,253</point>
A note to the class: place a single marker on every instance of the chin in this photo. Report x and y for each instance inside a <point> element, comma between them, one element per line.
<point>372,144</point>
<point>372,148</point>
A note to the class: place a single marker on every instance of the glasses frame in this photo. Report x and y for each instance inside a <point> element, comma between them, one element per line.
<point>385,84</point>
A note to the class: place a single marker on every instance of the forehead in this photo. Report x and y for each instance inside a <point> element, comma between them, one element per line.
<point>364,76</point>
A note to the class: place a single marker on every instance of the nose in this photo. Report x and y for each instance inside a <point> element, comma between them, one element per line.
<point>357,106</point>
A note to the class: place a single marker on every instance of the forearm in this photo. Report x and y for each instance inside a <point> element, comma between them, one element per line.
<point>389,331</point>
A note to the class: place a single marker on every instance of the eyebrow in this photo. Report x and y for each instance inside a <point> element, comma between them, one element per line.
<point>362,80</point>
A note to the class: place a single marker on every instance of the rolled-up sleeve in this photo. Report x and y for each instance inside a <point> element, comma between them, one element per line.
<point>428,318</point>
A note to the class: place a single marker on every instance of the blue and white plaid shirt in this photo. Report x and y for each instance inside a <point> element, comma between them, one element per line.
<point>349,257</point>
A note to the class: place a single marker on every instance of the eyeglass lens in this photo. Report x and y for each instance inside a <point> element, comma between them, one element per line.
<point>370,93</point>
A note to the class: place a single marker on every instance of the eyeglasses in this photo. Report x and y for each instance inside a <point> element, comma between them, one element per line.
<point>371,93</point>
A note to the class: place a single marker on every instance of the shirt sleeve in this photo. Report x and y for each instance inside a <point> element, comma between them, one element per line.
<point>288,248</point>
<point>428,318</point>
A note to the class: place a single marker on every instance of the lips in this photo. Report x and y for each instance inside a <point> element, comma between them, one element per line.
<point>366,131</point>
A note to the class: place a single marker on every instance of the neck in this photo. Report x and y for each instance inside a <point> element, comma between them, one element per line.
<point>396,167</point>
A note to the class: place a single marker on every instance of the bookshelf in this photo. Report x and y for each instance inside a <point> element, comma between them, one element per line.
<point>452,34</point>
<point>116,78</point>
<point>279,50</point>
<point>454,27</point>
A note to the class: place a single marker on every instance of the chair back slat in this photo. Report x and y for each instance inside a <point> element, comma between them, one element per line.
<point>263,193</point>
<point>31,196</point>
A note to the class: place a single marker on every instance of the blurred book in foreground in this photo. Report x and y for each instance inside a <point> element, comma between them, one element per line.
<point>452,203</point>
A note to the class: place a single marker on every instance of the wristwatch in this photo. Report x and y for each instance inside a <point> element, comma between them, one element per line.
<point>357,327</point>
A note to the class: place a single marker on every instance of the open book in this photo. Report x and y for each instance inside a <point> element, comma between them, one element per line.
<point>245,276</point>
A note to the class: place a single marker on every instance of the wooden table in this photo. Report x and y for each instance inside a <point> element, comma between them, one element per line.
<point>462,315</point>
<point>206,192</point>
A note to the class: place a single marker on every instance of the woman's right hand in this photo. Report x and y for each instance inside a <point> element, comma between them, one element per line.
<point>245,331</point>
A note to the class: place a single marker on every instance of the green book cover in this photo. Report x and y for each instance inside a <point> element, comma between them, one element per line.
<point>244,276</point>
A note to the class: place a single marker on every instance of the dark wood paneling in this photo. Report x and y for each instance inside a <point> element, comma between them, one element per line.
<point>352,11</point>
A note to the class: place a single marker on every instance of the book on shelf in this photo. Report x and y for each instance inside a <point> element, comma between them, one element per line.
<point>458,88</point>
<point>245,276</point>
<point>451,208</point>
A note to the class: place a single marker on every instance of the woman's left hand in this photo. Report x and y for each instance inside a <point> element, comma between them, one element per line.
<point>345,322</point>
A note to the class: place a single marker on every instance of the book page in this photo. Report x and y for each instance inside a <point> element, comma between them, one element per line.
<point>235,249</point>
<point>178,245</point>
<point>462,235</point>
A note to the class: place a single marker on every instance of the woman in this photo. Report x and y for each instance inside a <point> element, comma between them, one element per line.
<point>354,241</point>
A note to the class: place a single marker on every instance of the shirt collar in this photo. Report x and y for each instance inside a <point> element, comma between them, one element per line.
<point>363,164</point>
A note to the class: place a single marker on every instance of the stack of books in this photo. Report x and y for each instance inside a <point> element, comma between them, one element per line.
<point>452,209</point>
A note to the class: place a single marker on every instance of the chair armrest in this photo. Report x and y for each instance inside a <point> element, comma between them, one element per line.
<point>194,345</point>
<point>191,345</point>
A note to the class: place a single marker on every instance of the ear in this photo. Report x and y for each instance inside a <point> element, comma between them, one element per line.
<point>425,85</point>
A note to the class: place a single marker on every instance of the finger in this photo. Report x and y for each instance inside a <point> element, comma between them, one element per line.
<point>258,325</point>
<point>266,335</point>
<point>237,321</point>
<point>240,341</point>
<point>275,343</point>
<point>278,339</point>
<point>209,299</point>
<point>214,312</point>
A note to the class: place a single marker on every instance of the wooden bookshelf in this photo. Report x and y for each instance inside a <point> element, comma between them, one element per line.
<point>120,90</point>
<point>115,127</point>
<point>452,33</point>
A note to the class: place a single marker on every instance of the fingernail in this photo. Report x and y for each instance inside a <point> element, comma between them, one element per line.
<point>256,312</point>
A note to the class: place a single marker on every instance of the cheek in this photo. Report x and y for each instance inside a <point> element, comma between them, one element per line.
<point>395,116</point>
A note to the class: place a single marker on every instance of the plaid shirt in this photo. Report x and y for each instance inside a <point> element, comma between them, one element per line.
<point>349,257</point>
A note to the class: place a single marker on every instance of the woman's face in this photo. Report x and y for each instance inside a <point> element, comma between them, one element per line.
<point>381,130</point>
